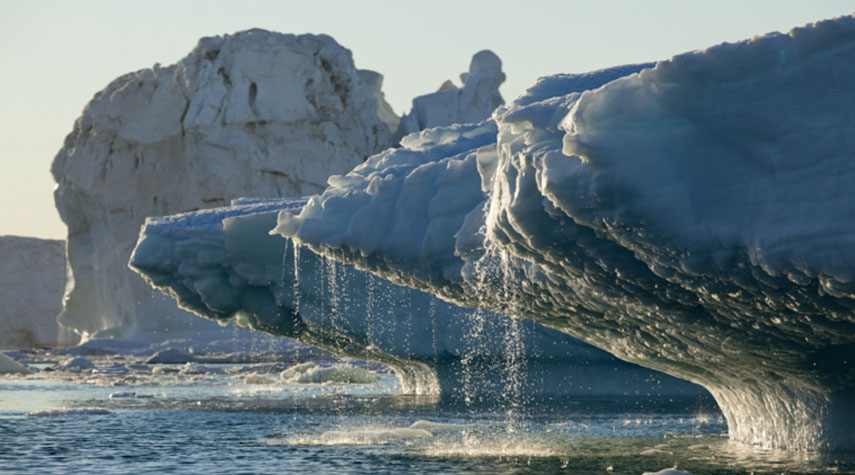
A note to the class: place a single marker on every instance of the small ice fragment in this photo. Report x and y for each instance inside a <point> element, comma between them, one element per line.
<point>123,395</point>
<point>343,373</point>
<point>170,356</point>
<point>668,471</point>
<point>77,364</point>
<point>258,379</point>
<point>10,366</point>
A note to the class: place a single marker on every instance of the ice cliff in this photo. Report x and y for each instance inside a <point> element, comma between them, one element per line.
<point>255,113</point>
<point>694,217</point>
<point>223,264</point>
<point>31,286</point>
<point>473,102</point>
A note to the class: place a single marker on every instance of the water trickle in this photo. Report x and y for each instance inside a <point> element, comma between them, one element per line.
<point>296,284</point>
<point>514,350</point>
<point>370,318</point>
<point>333,294</point>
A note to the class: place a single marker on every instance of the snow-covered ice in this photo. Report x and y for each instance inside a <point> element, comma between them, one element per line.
<point>693,217</point>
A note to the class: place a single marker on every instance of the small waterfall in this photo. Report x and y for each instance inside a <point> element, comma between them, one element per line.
<point>296,284</point>
<point>513,349</point>
<point>370,320</point>
<point>333,295</point>
<point>495,279</point>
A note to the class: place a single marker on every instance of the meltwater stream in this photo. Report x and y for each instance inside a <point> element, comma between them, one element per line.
<point>126,416</point>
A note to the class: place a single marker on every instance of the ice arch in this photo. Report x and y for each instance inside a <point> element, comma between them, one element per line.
<point>222,263</point>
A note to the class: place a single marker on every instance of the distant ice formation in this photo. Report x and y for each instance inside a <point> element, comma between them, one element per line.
<point>31,286</point>
<point>473,102</point>
<point>223,264</point>
<point>255,113</point>
<point>695,217</point>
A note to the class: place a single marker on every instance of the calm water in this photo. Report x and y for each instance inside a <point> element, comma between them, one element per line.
<point>125,418</point>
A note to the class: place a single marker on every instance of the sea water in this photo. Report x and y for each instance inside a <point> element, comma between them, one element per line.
<point>125,416</point>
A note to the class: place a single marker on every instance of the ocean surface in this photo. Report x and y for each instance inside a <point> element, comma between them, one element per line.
<point>126,416</point>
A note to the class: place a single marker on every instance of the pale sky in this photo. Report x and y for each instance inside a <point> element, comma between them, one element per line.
<point>56,55</point>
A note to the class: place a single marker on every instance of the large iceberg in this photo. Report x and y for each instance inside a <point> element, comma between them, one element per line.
<point>222,264</point>
<point>31,286</point>
<point>693,218</point>
<point>256,112</point>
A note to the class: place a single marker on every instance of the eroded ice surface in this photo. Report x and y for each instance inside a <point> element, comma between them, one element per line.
<point>694,217</point>
<point>223,263</point>
<point>31,285</point>
<point>256,113</point>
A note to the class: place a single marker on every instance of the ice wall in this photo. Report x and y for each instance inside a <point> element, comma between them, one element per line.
<point>473,102</point>
<point>255,113</point>
<point>694,218</point>
<point>31,285</point>
<point>223,263</point>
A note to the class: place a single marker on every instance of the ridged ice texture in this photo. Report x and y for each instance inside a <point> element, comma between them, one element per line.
<point>694,218</point>
<point>223,263</point>
<point>256,113</point>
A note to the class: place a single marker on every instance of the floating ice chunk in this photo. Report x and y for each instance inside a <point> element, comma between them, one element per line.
<point>78,363</point>
<point>375,434</point>
<point>10,366</point>
<point>164,370</point>
<point>123,395</point>
<point>258,379</point>
<point>668,471</point>
<point>170,356</point>
<point>337,374</point>
<point>437,425</point>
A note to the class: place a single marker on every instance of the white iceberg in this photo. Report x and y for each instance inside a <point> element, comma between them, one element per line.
<point>473,102</point>
<point>694,218</point>
<point>256,113</point>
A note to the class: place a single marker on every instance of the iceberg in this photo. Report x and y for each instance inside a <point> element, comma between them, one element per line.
<point>31,287</point>
<point>692,217</point>
<point>223,264</point>
<point>473,102</point>
<point>256,113</point>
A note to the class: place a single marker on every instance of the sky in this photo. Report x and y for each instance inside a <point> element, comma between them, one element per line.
<point>56,55</point>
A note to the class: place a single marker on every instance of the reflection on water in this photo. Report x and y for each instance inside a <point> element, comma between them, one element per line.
<point>129,417</point>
